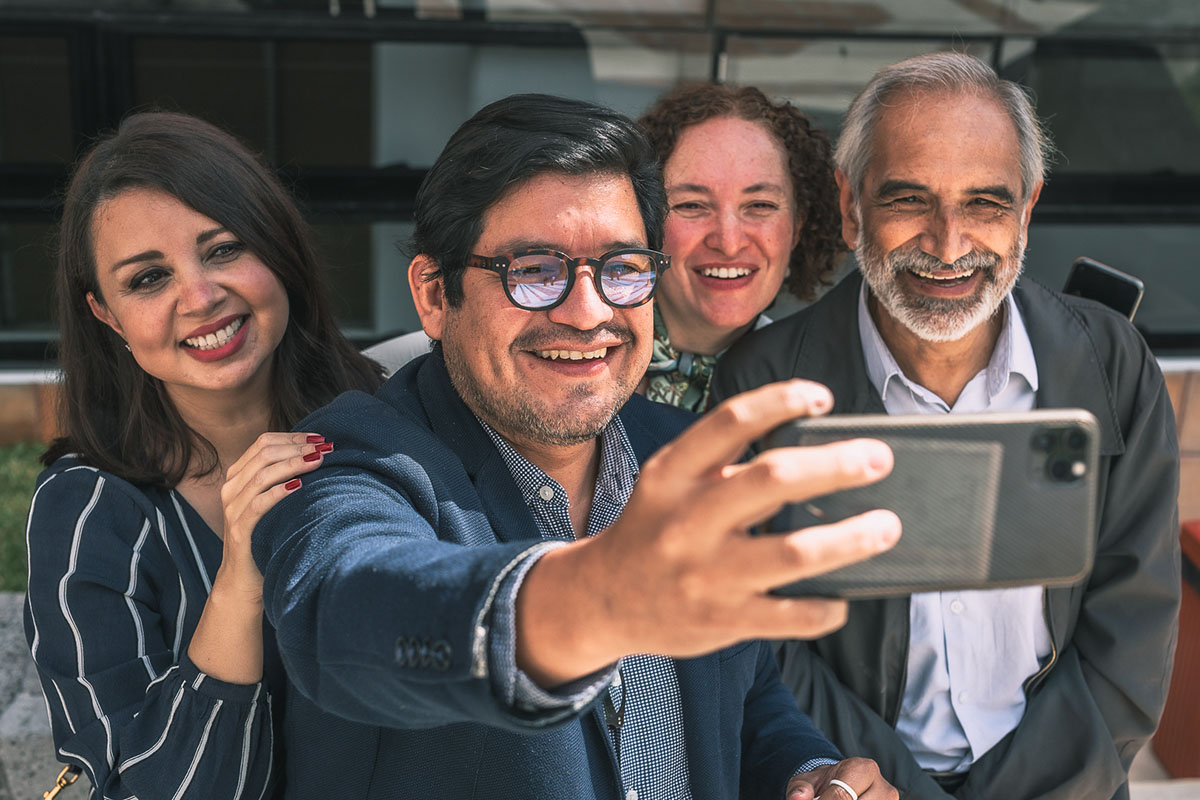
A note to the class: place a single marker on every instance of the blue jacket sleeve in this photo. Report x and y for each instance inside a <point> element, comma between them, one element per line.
<point>381,587</point>
<point>777,737</point>
<point>104,617</point>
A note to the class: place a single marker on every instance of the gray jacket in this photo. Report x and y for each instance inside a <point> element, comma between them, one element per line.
<point>1097,701</point>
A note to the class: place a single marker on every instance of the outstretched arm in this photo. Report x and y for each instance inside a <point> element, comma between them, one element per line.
<point>679,574</point>
<point>384,550</point>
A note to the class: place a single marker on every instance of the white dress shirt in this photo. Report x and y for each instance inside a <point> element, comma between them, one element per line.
<point>970,652</point>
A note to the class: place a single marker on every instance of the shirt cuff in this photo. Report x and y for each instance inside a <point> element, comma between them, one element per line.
<point>813,763</point>
<point>205,684</point>
<point>516,689</point>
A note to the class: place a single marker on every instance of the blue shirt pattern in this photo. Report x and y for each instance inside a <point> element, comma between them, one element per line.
<point>645,690</point>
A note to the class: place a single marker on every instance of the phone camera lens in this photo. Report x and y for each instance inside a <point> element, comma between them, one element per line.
<point>1076,439</point>
<point>1043,441</point>
<point>1061,470</point>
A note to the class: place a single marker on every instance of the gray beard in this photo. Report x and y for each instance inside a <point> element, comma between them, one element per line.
<point>936,319</point>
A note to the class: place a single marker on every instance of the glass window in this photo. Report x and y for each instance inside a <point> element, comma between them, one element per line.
<point>26,267</point>
<point>35,100</point>
<point>1161,255</point>
<point>632,68</point>
<point>822,76</point>
<point>346,251</point>
<point>227,82</point>
<point>353,117</point>
<point>325,91</point>
<point>1117,107</point>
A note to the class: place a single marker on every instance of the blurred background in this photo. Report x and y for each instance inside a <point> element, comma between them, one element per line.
<point>352,100</point>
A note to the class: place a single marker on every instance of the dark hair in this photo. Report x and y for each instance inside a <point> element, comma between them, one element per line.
<point>810,164</point>
<point>507,143</point>
<point>111,412</point>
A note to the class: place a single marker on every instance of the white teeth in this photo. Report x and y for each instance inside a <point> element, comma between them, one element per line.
<point>725,272</point>
<point>215,339</point>
<point>572,355</point>
<point>943,276</point>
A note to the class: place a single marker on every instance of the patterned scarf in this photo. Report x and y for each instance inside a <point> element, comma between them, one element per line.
<point>675,378</point>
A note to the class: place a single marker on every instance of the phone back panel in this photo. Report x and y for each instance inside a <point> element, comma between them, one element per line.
<point>985,500</point>
<point>1104,284</point>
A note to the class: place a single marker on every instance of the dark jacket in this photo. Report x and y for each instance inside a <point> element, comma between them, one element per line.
<point>377,576</point>
<point>1098,700</point>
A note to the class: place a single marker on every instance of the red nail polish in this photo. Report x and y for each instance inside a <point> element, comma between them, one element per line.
<point>292,485</point>
<point>312,456</point>
<point>325,448</point>
<point>314,438</point>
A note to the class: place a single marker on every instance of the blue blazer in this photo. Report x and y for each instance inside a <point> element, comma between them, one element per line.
<point>377,579</point>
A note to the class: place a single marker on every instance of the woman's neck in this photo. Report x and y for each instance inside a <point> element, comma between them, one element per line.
<point>230,420</point>
<point>702,339</point>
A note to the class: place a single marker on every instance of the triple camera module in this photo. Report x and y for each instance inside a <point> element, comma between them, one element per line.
<point>1061,453</point>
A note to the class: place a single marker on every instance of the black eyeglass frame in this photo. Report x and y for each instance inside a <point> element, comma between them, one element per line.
<point>500,264</point>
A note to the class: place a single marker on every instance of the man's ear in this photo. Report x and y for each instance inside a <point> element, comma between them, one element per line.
<point>851,224</point>
<point>1033,198</point>
<point>101,312</point>
<point>429,295</point>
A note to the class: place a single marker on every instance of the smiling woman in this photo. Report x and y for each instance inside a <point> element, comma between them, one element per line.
<point>194,329</point>
<point>752,207</point>
<point>161,299</point>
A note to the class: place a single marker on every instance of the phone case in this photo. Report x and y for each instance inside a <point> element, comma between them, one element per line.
<point>985,500</point>
<point>1102,283</point>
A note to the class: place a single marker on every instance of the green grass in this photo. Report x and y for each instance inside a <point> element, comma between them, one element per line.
<point>19,468</point>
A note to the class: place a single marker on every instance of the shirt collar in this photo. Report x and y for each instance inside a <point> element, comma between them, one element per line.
<point>615,479</point>
<point>1013,354</point>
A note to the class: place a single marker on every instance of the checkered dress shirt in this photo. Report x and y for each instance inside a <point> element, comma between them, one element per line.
<point>645,692</point>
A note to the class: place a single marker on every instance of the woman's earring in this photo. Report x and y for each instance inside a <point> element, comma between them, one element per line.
<point>127,347</point>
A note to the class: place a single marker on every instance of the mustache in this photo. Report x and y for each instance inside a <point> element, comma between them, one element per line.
<point>913,258</point>
<point>557,335</point>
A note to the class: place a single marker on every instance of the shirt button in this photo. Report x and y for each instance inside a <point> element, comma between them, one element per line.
<point>957,606</point>
<point>546,493</point>
<point>631,794</point>
<point>962,697</point>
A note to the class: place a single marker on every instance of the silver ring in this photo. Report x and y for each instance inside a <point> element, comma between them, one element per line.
<point>845,786</point>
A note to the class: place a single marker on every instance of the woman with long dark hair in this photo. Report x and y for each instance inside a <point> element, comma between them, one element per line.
<point>195,330</point>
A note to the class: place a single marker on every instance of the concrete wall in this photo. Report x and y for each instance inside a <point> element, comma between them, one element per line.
<point>27,764</point>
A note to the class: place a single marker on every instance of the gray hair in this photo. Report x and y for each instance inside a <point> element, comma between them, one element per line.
<point>941,72</point>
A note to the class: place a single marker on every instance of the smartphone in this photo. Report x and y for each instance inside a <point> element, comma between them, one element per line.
<point>985,500</point>
<point>1095,281</point>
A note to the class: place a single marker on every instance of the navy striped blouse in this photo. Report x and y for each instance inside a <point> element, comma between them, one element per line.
<point>118,576</point>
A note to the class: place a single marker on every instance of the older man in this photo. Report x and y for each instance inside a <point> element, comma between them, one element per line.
<point>465,592</point>
<point>1015,693</point>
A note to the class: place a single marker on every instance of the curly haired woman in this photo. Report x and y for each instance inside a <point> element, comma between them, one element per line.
<point>752,206</point>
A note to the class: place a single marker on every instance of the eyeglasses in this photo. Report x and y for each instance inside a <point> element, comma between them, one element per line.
<point>538,279</point>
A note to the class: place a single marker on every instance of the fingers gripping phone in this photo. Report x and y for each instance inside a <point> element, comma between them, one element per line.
<point>985,500</point>
<point>1105,284</point>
